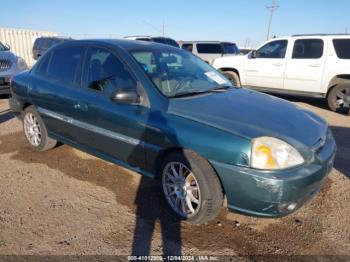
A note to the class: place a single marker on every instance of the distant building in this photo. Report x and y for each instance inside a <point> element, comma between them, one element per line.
<point>21,41</point>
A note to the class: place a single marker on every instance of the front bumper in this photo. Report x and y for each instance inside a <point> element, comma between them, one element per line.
<point>275,193</point>
<point>4,85</point>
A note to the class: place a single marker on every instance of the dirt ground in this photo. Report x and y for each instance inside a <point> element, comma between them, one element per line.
<point>66,202</point>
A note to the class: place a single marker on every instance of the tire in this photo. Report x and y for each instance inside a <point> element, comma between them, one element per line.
<point>201,177</point>
<point>35,131</point>
<point>339,98</point>
<point>233,77</point>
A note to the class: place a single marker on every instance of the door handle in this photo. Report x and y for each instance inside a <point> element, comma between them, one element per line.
<point>277,64</point>
<point>81,106</point>
<point>314,65</point>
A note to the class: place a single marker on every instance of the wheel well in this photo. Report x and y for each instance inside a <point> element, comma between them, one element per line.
<point>225,69</point>
<point>166,152</point>
<point>339,79</point>
<point>25,105</point>
<point>162,155</point>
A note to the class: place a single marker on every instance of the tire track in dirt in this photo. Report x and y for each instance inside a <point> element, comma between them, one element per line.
<point>299,233</point>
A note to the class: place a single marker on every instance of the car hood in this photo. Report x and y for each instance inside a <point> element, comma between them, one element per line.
<point>252,114</point>
<point>8,55</point>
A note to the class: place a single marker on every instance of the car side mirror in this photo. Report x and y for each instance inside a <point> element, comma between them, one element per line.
<point>253,54</point>
<point>126,96</point>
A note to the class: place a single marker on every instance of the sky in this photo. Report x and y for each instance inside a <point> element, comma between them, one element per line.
<point>240,21</point>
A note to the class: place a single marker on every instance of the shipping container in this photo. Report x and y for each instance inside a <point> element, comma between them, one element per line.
<point>21,41</point>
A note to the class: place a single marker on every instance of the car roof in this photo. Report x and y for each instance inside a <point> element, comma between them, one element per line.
<point>206,42</point>
<point>321,35</point>
<point>121,43</point>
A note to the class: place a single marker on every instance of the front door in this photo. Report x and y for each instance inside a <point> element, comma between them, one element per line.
<point>115,130</point>
<point>266,69</point>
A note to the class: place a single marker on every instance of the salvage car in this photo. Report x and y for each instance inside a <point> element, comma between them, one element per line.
<point>168,115</point>
<point>10,64</point>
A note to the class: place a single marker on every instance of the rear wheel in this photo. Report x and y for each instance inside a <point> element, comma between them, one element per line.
<point>339,98</point>
<point>191,187</point>
<point>233,77</point>
<point>35,131</point>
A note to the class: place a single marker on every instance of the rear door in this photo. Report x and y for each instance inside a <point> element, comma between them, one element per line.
<point>267,68</point>
<point>54,88</point>
<point>305,65</point>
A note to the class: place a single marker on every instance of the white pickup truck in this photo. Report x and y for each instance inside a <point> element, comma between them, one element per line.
<point>309,65</point>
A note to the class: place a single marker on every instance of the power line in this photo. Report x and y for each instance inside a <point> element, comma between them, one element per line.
<point>155,28</point>
<point>272,8</point>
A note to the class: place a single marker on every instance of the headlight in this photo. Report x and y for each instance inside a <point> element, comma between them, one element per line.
<point>273,153</point>
<point>21,64</point>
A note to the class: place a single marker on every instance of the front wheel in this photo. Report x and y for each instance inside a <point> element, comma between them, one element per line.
<point>233,77</point>
<point>191,187</point>
<point>339,98</point>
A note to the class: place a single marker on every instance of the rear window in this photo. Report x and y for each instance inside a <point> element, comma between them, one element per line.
<point>342,48</point>
<point>209,48</point>
<point>64,64</point>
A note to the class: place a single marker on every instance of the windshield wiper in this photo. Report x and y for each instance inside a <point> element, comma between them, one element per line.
<point>193,93</point>
<point>184,94</point>
<point>220,88</point>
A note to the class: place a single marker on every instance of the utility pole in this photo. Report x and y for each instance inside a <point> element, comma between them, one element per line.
<point>346,30</point>
<point>163,28</point>
<point>271,9</point>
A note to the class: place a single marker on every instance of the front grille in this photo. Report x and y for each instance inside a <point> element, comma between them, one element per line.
<point>5,64</point>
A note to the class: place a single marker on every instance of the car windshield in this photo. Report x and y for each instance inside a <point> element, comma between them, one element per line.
<point>3,47</point>
<point>230,48</point>
<point>179,73</point>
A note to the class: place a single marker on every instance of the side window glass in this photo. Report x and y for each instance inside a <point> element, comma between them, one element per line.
<point>187,47</point>
<point>308,49</point>
<point>42,67</point>
<point>275,49</point>
<point>65,64</point>
<point>342,48</point>
<point>106,73</point>
<point>209,48</point>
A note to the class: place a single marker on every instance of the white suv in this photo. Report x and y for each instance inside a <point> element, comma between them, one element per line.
<point>310,65</point>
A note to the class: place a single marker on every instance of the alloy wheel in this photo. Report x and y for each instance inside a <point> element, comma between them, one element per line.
<point>342,98</point>
<point>32,129</point>
<point>181,189</point>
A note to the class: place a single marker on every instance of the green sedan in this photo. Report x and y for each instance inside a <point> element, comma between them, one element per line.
<point>168,115</point>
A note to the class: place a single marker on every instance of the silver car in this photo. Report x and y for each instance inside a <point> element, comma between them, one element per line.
<point>10,65</point>
<point>210,50</point>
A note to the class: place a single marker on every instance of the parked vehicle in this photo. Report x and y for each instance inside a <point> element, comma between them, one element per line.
<point>10,64</point>
<point>157,39</point>
<point>42,44</point>
<point>209,50</point>
<point>164,113</point>
<point>308,65</point>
